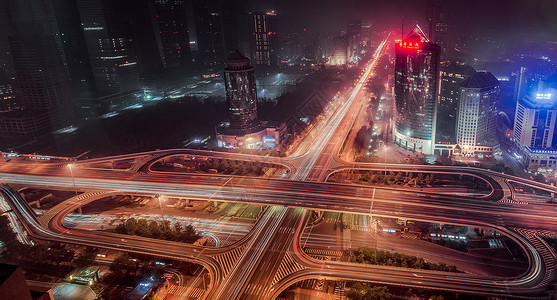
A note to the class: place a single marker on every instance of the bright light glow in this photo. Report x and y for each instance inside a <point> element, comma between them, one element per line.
<point>408,45</point>
<point>543,96</point>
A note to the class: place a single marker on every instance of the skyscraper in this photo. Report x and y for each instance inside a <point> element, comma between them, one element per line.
<point>244,129</point>
<point>76,56</point>
<point>171,18</point>
<point>534,126</point>
<point>354,35</point>
<point>416,90</point>
<point>241,93</point>
<point>207,32</point>
<point>264,32</point>
<point>42,90</point>
<point>439,30</point>
<point>452,75</point>
<point>340,51</point>
<point>108,34</point>
<point>477,114</point>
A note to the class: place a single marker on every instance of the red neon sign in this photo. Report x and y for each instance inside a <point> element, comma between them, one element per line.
<point>409,45</point>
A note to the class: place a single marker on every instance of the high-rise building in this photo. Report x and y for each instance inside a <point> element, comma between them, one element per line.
<point>264,33</point>
<point>42,90</point>
<point>340,51</point>
<point>438,22</point>
<point>354,35</point>
<point>108,33</point>
<point>244,129</point>
<point>241,93</point>
<point>171,19</point>
<point>207,32</point>
<point>416,90</point>
<point>74,47</point>
<point>534,126</point>
<point>477,114</point>
<point>452,75</point>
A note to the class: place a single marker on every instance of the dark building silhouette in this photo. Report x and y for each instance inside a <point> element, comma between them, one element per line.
<point>207,32</point>
<point>76,56</point>
<point>439,28</point>
<point>108,34</point>
<point>264,34</point>
<point>42,88</point>
<point>241,93</point>
<point>416,84</point>
<point>14,286</point>
<point>171,19</point>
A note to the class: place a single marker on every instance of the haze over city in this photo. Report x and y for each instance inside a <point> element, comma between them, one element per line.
<point>211,149</point>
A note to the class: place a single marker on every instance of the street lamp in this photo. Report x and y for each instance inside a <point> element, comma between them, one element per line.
<point>386,153</point>
<point>160,205</point>
<point>70,166</point>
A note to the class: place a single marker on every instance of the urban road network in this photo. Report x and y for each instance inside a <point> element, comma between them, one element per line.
<point>269,258</point>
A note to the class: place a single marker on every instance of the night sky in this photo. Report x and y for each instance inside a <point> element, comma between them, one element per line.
<point>498,18</point>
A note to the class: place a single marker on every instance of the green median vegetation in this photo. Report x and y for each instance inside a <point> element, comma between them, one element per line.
<point>157,230</point>
<point>398,178</point>
<point>359,291</point>
<point>368,255</point>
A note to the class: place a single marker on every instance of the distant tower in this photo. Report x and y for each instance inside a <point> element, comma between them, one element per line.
<point>416,89</point>
<point>439,30</point>
<point>264,32</point>
<point>108,36</point>
<point>241,93</point>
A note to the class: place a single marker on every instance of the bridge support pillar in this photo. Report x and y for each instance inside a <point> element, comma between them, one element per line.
<point>79,210</point>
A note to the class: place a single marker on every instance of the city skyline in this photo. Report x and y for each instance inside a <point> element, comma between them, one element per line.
<point>211,149</point>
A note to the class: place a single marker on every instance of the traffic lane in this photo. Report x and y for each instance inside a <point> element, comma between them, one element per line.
<point>468,209</point>
<point>263,276</point>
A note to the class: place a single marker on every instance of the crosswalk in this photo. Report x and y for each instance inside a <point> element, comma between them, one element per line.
<point>176,292</point>
<point>512,201</point>
<point>339,291</point>
<point>287,266</point>
<point>323,252</point>
<point>546,252</point>
<point>229,258</point>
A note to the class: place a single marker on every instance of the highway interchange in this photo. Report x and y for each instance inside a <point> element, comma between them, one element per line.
<point>269,258</point>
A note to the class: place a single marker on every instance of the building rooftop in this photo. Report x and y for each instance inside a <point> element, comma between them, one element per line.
<point>6,270</point>
<point>455,68</point>
<point>416,35</point>
<point>480,80</point>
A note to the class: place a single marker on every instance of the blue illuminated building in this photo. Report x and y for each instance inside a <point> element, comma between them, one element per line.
<point>534,127</point>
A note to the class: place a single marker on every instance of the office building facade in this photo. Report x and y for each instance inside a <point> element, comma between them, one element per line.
<point>108,35</point>
<point>264,33</point>
<point>416,90</point>
<point>451,76</point>
<point>477,114</point>
<point>173,30</point>
<point>534,127</point>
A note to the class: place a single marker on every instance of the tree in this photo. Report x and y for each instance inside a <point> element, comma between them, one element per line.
<point>86,259</point>
<point>436,297</point>
<point>123,264</point>
<point>360,291</point>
